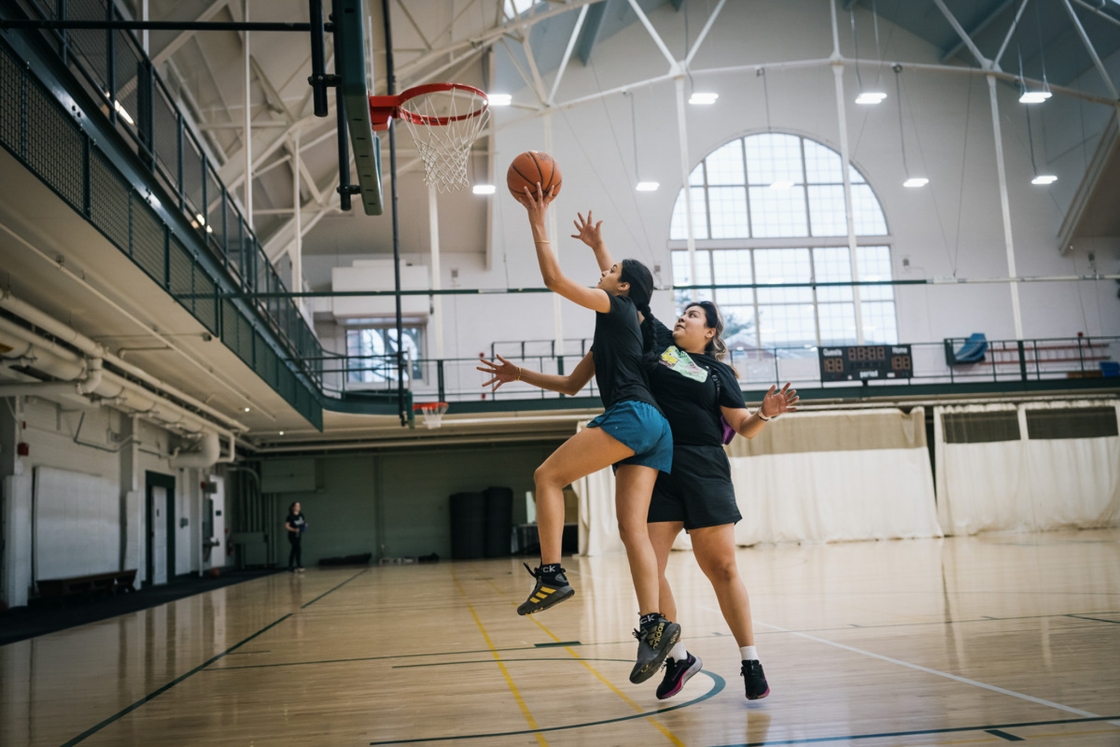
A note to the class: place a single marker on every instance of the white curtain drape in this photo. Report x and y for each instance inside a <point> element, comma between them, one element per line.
<point>809,477</point>
<point>1026,484</point>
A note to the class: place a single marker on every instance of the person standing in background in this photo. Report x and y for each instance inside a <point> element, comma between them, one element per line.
<point>295,524</point>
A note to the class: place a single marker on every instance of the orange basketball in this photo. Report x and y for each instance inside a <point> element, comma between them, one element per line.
<point>531,167</point>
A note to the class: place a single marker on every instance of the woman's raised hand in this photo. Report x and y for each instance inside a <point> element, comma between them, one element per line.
<point>537,204</point>
<point>501,373</point>
<point>777,402</point>
<point>587,231</point>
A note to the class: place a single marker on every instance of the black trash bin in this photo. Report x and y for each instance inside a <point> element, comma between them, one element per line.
<point>468,526</point>
<point>499,521</point>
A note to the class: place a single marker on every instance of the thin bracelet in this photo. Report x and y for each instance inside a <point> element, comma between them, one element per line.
<point>540,241</point>
<point>519,373</point>
<point>762,417</point>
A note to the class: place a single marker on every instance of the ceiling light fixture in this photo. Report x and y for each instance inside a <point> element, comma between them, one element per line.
<point>915,181</point>
<point>1044,179</point>
<point>500,99</point>
<point>647,186</point>
<point>699,98</point>
<point>483,189</point>
<point>1034,97</point>
<point>870,98</point>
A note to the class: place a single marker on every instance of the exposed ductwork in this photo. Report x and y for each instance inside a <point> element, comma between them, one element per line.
<point>81,376</point>
<point>207,455</point>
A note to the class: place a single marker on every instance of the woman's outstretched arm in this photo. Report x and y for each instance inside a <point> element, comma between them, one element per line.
<point>504,372</point>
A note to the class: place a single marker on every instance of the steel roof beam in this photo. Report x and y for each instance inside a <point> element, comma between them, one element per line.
<point>978,28</point>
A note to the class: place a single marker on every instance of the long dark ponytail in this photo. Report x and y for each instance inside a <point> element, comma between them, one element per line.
<point>641,283</point>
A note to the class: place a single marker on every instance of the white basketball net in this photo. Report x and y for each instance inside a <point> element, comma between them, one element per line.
<point>445,148</point>
<point>433,414</point>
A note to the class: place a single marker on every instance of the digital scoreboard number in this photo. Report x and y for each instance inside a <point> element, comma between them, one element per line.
<point>865,362</point>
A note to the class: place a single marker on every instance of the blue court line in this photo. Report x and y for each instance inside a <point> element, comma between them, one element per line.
<point>718,683</point>
<point>316,599</point>
<point>156,693</point>
<point>919,732</point>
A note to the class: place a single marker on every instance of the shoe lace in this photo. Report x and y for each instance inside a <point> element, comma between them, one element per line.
<point>651,635</point>
<point>534,572</point>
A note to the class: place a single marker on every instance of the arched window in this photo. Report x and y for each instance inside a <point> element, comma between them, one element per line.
<point>769,208</point>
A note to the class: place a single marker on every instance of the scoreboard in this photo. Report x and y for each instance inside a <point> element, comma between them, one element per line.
<point>865,362</point>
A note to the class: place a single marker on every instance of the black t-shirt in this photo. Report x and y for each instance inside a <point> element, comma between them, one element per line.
<point>685,388</point>
<point>297,522</point>
<point>619,368</point>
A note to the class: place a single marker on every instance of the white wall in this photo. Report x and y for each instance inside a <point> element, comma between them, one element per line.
<point>105,452</point>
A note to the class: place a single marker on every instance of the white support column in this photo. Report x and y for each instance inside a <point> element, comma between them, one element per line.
<point>436,323</point>
<point>557,306</point>
<point>248,131</point>
<point>144,41</point>
<point>296,250</point>
<point>1005,209</point>
<point>842,115</point>
<point>682,133</point>
<point>849,215</point>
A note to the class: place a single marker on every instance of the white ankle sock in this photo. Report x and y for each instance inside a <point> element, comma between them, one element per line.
<point>678,652</point>
<point>748,653</point>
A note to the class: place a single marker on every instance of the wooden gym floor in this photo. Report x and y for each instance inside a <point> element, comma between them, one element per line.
<point>982,640</point>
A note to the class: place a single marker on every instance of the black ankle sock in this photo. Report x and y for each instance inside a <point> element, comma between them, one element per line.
<point>649,619</point>
<point>551,569</point>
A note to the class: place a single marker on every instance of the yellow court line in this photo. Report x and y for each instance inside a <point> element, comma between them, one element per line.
<point>668,734</point>
<point>501,665</point>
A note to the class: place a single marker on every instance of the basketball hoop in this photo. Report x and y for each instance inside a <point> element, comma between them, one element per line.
<point>444,119</point>
<point>432,412</point>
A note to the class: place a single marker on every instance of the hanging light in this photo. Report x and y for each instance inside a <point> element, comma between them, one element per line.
<point>912,182</point>
<point>865,98</point>
<point>643,185</point>
<point>1034,97</point>
<point>700,98</point>
<point>1044,179</point>
<point>1041,180</point>
<point>500,99</point>
<point>870,98</point>
<point>483,189</point>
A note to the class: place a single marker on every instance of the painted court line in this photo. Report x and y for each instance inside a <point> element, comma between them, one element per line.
<point>939,673</point>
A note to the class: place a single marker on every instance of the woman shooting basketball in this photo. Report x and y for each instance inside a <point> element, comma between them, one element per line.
<point>631,434</point>
<point>694,389</point>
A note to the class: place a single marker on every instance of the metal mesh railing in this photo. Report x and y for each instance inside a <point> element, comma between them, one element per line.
<point>114,70</point>
<point>36,129</point>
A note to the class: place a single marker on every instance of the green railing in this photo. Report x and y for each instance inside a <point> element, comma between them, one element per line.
<point>200,264</point>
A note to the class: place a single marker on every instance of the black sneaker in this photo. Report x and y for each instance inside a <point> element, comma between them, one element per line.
<point>548,592</point>
<point>754,680</point>
<point>676,674</point>
<point>655,641</point>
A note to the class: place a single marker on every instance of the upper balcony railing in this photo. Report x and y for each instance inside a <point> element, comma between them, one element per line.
<point>1005,362</point>
<point>114,70</point>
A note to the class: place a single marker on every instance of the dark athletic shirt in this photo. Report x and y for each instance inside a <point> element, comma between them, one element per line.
<point>690,406</point>
<point>296,521</point>
<point>617,346</point>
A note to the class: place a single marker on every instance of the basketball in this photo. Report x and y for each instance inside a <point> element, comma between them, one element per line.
<point>531,167</point>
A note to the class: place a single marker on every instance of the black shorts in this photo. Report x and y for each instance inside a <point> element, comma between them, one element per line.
<point>699,492</point>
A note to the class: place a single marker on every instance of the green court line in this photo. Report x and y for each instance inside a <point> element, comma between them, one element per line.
<point>156,693</point>
<point>491,661</point>
<point>718,684</point>
<point>1096,619</point>
<point>920,732</point>
<point>316,599</point>
<point>1004,735</point>
<point>557,644</point>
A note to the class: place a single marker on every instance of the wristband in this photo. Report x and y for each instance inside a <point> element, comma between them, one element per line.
<point>762,417</point>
